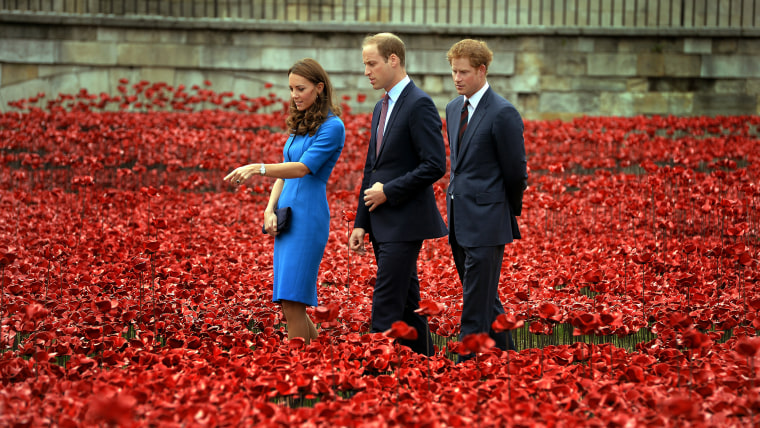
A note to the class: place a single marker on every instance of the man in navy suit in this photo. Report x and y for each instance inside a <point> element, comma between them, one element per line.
<point>397,207</point>
<point>487,180</point>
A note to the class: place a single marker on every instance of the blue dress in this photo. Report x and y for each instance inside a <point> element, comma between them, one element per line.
<point>298,251</point>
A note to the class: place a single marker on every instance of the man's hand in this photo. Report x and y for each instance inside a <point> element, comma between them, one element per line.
<point>356,241</point>
<point>374,196</point>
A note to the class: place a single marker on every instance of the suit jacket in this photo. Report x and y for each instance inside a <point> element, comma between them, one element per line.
<point>412,157</point>
<point>488,172</point>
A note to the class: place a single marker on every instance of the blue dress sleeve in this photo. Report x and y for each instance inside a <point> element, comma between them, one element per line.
<point>329,138</point>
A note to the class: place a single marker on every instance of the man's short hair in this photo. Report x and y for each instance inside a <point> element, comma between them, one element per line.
<point>476,51</point>
<point>387,44</point>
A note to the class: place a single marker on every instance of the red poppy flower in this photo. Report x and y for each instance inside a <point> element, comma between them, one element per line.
<point>478,342</point>
<point>152,247</point>
<point>429,308</point>
<point>401,330</point>
<point>748,346</point>
<point>324,314</point>
<point>349,216</point>
<point>504,322</point>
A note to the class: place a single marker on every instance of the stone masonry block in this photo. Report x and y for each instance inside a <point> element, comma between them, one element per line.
<point>529,63</point>
<point>107,34</point>
<point>730,66</point>
<point>604,64</point>
<point>749,46</point>
<point>650,64</point>
<point>95,53</point>
<point>501,85</point>
<point>503,64</point>
<point>95,81</point>
<point>73,33</point>
<point>425,61</point>
<point>565,64</point>
<point>575,102</point>
<point>725,46</point>
<point>204,37</point>
<point>724,104</point>
<point>555,83</point>
<point>156,36</point>
<point>523,83</point>
<point>21,31</point>
<point>15,73</point>
<point>731,86</point>
<point>681,65</point>
<point>29,51</point>
<point>433,84</point>
<point>132,74</point>
<point>158,74</point>
<point>650,103</point>
<point>616,104</point>
<point>530,44</point>
<point>753,86</point>
<point>591,84</point>
<point>284,40</point>
<point>65,83</point>
<point>281,59</point>
<point>585,44</point>
<point>337,60</point>
<point>157,55</point>
<point>662,103</point>
<point>697,46</point>
<point>230,57</point>
<point>55,69</point>
<point>23,90</point>
<point>637,84</point>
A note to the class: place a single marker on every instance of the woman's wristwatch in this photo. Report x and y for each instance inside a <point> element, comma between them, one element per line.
<point>262,170</point>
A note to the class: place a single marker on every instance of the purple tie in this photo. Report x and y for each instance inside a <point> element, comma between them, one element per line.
<point>381,124</point>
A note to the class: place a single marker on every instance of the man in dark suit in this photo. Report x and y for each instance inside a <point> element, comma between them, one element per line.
<point>487,180</point>
<point>397,207</point>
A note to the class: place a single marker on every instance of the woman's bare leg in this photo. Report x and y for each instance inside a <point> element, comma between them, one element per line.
<point>299,324</point>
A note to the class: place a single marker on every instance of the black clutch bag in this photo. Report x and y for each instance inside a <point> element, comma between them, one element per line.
<point>283,220</point>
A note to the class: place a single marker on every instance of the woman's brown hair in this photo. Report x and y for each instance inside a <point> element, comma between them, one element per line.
<point>307,121</point>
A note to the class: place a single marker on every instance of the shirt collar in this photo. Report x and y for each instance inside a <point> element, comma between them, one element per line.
<point>477,96</point>
<point>395,91</point>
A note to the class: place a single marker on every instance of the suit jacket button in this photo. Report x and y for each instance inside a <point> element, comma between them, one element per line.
<point>374,170</point>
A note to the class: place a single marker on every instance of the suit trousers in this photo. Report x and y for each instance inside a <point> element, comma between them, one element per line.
<point>397,292</point>
<point>479,269</point>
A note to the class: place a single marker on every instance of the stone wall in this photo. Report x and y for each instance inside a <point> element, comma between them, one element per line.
<point>546,76</point>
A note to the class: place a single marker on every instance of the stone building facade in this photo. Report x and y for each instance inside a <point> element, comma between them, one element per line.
<point>547,72</point>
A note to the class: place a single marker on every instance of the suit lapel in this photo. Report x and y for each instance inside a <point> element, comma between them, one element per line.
<point>474,122</point>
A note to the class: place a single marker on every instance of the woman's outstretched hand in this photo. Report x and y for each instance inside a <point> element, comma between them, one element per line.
<point>241,174</point>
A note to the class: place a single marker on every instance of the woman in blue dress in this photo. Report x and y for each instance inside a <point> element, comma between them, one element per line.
<point>316,140</point>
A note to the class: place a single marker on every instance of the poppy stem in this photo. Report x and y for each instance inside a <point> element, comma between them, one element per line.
<point>47,279</point>
<point>509,379</point>
<point>348,250</point>
<point>427,340</point>
<point>2,294</point>
<point>153,291</point>
<point>139,307</point>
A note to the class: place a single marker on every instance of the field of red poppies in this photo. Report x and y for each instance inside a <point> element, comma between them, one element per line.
<point>135,283</point>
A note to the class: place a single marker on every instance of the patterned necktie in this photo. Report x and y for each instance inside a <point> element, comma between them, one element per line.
<point>463,120</point>
<point>381,124</point>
